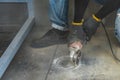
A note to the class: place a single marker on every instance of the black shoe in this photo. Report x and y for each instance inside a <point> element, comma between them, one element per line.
<point>52,37</point>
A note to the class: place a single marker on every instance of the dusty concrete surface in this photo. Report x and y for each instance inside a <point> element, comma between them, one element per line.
<point>97,61</point>
<point>35,64</point>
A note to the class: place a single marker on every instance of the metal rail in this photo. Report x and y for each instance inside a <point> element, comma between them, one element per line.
<point>15,44</point>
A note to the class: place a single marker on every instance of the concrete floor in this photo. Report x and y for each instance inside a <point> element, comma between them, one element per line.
<point>36,64</point>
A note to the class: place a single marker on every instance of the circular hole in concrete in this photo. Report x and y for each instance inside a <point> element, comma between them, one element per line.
<point>65,63</point>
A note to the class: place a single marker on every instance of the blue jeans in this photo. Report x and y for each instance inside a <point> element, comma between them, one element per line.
<point>59,15</point>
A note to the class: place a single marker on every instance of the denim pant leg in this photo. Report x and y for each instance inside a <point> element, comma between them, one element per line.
<point>117,25</point>
<point>59,14</point>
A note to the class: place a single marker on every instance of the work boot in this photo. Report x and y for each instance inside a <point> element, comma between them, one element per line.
<point>52,37</point>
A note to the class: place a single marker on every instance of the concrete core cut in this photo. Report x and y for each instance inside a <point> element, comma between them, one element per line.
<point>64,63</point>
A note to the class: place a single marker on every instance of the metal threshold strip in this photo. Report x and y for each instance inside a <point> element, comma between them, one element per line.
<point>10,52</point>
<point>15,44</point>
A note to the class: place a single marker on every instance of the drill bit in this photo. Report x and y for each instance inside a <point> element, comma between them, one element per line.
<point>75,55</point>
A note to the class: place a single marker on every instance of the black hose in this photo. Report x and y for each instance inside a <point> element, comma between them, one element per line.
<point>110,44</point>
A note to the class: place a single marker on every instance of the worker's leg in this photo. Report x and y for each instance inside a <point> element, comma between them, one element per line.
<point>117,20</point>
<point>59,17</point>
<point>92,23</point>
<point>117,25</point>
<point>108,8</point>
<point>59,14</point>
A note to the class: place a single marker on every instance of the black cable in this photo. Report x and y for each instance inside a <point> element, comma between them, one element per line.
<point>110,44</point>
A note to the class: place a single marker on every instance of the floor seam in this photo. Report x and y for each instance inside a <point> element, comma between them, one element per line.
<point>51,62</point>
